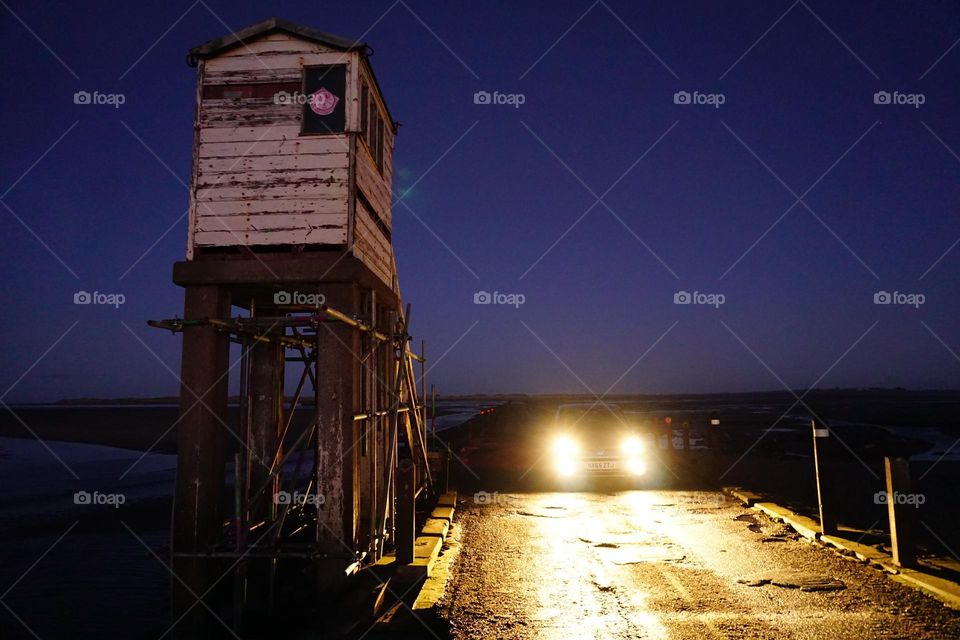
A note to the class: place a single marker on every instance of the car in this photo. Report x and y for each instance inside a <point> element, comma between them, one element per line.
<point>595,440</point>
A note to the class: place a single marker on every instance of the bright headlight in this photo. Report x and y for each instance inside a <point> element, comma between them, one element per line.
<point>631,445</point>
<point>565,467</point>
<point>565,446</point>
<point>636,467</point>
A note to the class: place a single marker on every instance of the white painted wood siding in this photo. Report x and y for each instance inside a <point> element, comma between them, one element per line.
<point>257,181</point>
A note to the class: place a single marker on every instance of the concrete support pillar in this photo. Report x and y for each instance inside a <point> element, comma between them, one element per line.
<point>338,449</point>
<point>201,439</point>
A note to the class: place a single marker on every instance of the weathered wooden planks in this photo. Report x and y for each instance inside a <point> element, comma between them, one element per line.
<point>275,206</point>
<point>259,181</point>
<point>293,145</point>
<point>325,163</point>
<point>244,60</point>
<point>371,246</point>
<point>244,133</point>
<point>293,191</point>
<point>373,184</point>
<point>260,74</point>
<point>284,237</point>
<point>271,222</point>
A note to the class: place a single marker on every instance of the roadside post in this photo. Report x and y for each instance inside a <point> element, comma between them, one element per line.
<point>445,472</point>
<point>686,436</point>
<point>714,423</point>
<point>826,475</point>
<point>652,432</point>
<point>902,509</point>
<point>406,510</point>
<point>433,411</point>
<point>668,427</point>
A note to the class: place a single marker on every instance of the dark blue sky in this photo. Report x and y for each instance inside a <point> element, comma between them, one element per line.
<point>598,81</point>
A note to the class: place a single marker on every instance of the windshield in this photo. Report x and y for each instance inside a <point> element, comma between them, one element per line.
<point>599,418</point>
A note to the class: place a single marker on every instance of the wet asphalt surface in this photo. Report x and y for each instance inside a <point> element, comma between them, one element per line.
<point>661,564</point>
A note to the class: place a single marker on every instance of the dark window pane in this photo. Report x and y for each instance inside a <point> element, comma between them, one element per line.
<point>379,142</point>
<point>372,140</point>
<point>324,107</point>
<point>365,112</point>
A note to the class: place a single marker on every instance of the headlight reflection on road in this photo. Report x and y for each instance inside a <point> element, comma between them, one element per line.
<point>581,592</point>
<point>640,503</point>
<point>565,597</point>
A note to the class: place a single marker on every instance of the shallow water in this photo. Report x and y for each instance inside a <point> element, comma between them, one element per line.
<point>74,570</point>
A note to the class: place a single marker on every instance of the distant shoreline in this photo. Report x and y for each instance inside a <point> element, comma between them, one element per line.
<point>500,397</point>
<point>150,423</point>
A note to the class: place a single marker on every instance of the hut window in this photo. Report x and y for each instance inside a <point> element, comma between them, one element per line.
<point>375,133</point>
<point>365,111</point>
<point>324,105</point>
<point>371,124</point>
<point>379,154</point>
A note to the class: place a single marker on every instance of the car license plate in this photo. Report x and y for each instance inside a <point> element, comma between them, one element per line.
<point>601,466</point>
